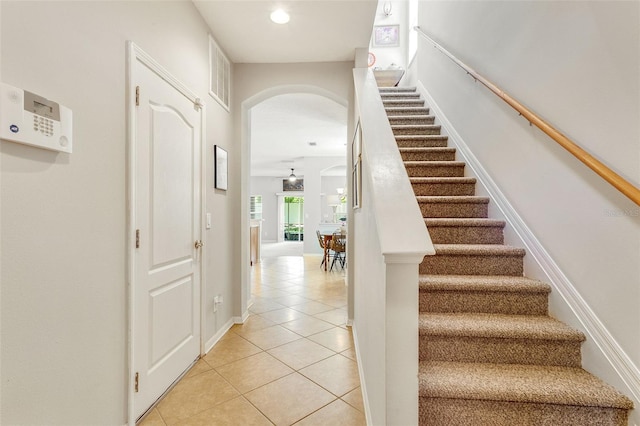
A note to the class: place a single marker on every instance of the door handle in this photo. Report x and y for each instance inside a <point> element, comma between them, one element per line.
<point>198,244</point>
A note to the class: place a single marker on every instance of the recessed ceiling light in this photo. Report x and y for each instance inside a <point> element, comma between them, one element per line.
<point>279,16</point>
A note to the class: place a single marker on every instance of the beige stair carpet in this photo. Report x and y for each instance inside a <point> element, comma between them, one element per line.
<point>489,353</point>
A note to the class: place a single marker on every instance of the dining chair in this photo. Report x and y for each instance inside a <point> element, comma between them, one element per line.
<point>322,246</point>
<point>339,247</point>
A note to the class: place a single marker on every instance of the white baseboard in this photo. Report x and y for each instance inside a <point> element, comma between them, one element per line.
<point>243,318</point>
<point>216,337</point>
<point>596,330</point>
<point>363,387</point>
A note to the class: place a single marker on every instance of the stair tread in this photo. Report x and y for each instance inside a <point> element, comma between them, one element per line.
<point>397,89</point>
<point>427,149</point>
<point>408,95</point>
<point>410,117</point>
<point>420,137</point>
<point>434,163</point>
<point>518,383</point>
<point>399,102</point>
<point>403,110</point>
<point>464,221</point>
<point>452,199</point>
<point>443,179</point>
<point>502,326</point>
<point>415,126</point>
<point>482,283</point>
<point>478,249</point>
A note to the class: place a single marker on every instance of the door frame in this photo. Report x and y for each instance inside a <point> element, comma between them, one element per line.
<point>135,54</point>
<point>280,204</point>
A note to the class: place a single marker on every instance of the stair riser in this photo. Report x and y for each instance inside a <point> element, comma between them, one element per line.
<point>489,302</point>
<point>399,95</point>
<point>463,412</point>
<point>421,142</point>
<point>472,265</point>
<point>428,170</point>
<point>466,234</point>
<point>410,119</point>
<point>428,156</point>
<point>395,89</point>
<point>407,111</point>
<point>403,103</point>
<point>416,130</point>
<point>444,188</point>
<point>454,210</point>
<point>500,351</point>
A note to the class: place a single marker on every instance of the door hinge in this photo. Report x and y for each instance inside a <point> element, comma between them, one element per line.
<point>137,238</point>
<point>136,382</point>
<point>137,95</point>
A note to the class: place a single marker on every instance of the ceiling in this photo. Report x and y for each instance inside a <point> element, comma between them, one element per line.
<point>319,31</point>
<point>285,128</point>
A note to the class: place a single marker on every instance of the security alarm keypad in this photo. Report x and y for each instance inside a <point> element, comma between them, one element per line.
<point>33,120</point>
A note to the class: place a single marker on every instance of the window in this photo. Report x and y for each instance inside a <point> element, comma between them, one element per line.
<point>219,74</point>
<point>255,207</point>
<point>413,35</point>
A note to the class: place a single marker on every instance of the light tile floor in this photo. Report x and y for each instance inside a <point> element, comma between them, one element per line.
<point>291,362</point>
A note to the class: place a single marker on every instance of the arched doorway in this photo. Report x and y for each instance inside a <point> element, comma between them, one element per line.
<point>247,109</point>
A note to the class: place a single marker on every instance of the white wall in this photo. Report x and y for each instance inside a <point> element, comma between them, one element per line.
<point>328,185</point>
<point>64,295</point>
<point>268,187</point>
<point>386,56</point>
<point>577,65</point>
<point>313,202</point>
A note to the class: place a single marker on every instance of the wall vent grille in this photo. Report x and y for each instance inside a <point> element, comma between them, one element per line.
<point>219,74</point>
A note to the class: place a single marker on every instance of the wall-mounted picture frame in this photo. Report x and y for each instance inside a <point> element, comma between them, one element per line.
<point>220,168</point>
<point>296,185</point>
<point>386,35</point>
<point>356,168</point>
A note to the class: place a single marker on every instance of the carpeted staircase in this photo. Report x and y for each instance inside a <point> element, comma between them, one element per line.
<point>489,352</point>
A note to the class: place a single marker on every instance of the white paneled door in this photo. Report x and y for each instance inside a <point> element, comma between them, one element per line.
<point>167,209</point>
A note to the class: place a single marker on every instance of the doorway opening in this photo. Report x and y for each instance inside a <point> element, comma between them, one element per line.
<point>293,219</point>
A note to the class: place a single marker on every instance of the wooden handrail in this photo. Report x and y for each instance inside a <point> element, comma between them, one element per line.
<point>622,185</point>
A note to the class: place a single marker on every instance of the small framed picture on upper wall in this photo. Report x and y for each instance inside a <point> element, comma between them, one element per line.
<point>386,36</point>
<point>220,165</point>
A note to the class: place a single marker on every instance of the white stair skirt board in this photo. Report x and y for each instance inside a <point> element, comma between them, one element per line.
<point>611,350</point>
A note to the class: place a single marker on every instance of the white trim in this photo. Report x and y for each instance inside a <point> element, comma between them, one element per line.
<point>598,333</point>
<point>242,319</point>
<point>414,258</point>
<point>216,337</point>
<point>135,53</point>
<point>383,167</point>
<point>363,388</point>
